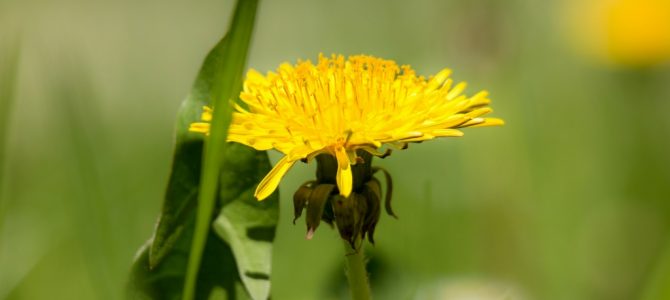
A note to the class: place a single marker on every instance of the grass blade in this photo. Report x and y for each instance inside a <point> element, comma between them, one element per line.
<point>236,259</point>
<point>232,65</point>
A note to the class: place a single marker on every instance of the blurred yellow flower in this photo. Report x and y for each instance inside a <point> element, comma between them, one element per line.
<point>623,32</point>
<point>339,105</point>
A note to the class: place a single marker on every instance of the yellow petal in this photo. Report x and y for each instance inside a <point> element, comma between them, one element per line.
<point>338,105</point>
<point>300,152</point>
<point>478,112</point>
<point>472,122</point>
<point>376,152</point>
<point>206,114</point>
<point>344,177</point>
<point>443,75</point>
<point>353,158</point>
<point>447,132</point>
<point>480,99</point>
<point>199,127</point>
<point>439,79</point>
<point>457,90</point>
<point>490,122</point>
<point>239,108</point>
<point>271,181</point>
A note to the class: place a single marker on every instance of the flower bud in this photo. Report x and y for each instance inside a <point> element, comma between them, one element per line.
<point>355,216</point>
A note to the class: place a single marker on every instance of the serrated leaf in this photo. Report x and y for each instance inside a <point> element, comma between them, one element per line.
<point>246,224</point>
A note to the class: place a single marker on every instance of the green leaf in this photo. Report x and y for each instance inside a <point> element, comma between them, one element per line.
<point>218,277</point>
<point>225,89</point>
<point>246,224</point>
<point>182,190</point>
<point>240,266</point>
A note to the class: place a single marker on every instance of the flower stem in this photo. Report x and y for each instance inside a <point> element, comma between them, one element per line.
<point>356,273</point>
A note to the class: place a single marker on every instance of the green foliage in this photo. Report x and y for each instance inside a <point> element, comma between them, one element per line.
<point>217,275</point>
<point>657,286</point>
<point>569,200</point>
<point>235,260</point>
<point>237,256</point>
<point>9,61</point>
<point>226,86</point>
<point>246,224</point>
<point>182,190</point>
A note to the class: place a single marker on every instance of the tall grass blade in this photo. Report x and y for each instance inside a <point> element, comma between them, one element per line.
<point>225,89</point>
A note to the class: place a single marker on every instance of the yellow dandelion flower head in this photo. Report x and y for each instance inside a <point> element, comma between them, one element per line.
<point>621,32</point>
<point>338,106</point>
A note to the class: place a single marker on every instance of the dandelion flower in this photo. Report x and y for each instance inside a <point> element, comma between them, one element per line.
<point>633,33</point>
<point>338,106</point>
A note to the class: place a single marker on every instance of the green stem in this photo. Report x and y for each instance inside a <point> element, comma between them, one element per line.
<point>356,273</point>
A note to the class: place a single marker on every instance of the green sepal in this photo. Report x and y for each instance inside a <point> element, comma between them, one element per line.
<point>315,205</point>
<point>389,190</point>
<point>300,198</point>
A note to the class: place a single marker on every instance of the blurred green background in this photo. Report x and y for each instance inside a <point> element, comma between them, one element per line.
<point>569,200</point>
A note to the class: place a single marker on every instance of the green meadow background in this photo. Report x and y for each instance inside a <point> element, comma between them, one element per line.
<point>569,200</point>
